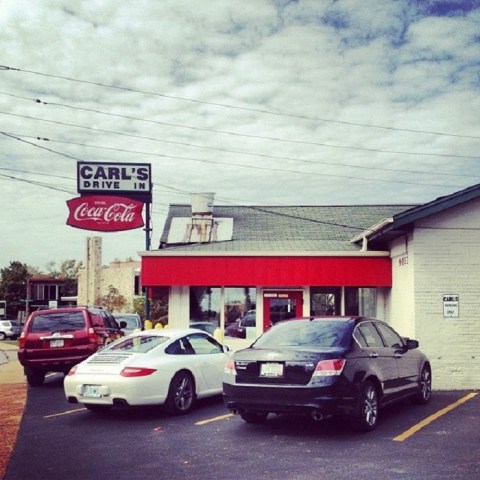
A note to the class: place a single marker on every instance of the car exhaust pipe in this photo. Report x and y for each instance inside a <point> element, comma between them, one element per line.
<point>235,411</point>
<point>317,416</point>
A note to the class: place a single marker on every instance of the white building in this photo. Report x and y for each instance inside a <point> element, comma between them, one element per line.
<point>95,279</point>
<point>416,267</point>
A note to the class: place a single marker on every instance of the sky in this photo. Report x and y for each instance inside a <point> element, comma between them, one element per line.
<point>262,102</point>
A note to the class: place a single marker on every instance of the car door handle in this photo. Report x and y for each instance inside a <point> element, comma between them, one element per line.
<point>373,355</point>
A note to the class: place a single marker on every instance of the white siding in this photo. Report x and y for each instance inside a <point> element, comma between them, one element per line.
<point>445,251</point>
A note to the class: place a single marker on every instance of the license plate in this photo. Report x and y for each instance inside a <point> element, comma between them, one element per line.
<point>92,391</point>
<point>271,370</point>
<point>56,343</point>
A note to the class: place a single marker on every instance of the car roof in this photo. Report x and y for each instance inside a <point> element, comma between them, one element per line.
<point>169,332</point>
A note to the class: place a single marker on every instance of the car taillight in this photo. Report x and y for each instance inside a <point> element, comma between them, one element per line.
<point>136,372</point>
<point>92,336</point>
<point>329,368</point>
<point>21,340</point>
<point>72,371</point>
<point>230,367</point>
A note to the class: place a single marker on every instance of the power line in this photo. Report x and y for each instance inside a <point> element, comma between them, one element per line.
<point>257,167</point>
<point>274,157</point>
<point>154,139</point>
<point>209,130</point>
<point>236,107</point>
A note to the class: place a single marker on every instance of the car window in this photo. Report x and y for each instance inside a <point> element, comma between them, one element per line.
<point>391,338</point>
<point>58,322</point>
<point>371,337</point>
<point>203,344</point>
<point>312,334</point>
<point>137,344</point>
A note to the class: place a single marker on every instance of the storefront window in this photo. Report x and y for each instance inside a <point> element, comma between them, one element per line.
<point>240,310</point>
<point>205,307</point>
<point>238,304</point>
<point>356,301</point>
<point>325,301</point>
<point>367,302</point>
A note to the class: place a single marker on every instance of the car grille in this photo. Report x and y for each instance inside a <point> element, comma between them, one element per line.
<point>108,359</point>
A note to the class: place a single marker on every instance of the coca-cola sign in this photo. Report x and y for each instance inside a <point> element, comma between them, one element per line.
<point>105,213</point>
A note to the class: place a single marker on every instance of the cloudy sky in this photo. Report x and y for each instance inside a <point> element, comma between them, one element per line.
<point>264,102</point>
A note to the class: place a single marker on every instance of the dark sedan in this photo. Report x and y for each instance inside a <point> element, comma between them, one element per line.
<point>324,366</point>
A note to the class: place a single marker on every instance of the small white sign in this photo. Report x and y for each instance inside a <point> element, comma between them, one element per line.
<point>450,306</point>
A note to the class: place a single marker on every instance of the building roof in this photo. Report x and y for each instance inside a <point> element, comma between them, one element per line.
<point>286,228</point>
<point>403,222</point>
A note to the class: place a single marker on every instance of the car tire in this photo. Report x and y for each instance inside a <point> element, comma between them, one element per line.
<point>97,408</point>
<point>181,394</point>
<point>35,379</point>
<point>2,336</point>
<point>254,417</point>
<point>366,415</point>
<point>424,393</point>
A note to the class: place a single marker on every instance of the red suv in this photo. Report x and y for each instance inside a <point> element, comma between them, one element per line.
<point>55,340</point>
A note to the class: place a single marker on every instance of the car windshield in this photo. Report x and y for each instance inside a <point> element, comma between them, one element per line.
<point>130,320</point>
<point>306,333</point>
<point>58,322</point>
<point>137,344</point>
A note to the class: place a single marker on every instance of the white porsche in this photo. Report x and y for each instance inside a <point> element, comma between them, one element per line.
<point>168,367</point>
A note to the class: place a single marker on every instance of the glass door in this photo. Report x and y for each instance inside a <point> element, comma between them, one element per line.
<point>281,305</point>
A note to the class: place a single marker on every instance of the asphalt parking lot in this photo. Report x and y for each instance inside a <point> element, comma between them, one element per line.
<point>57,440</point>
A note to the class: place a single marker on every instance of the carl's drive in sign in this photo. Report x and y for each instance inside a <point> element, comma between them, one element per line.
<point>133,179</point>
<point>105,213</point>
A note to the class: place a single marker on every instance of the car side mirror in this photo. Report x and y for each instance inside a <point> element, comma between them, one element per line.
<point>226,348</point>
<point>411,344</point>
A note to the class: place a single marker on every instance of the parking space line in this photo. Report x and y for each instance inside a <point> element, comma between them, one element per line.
<point>65,413</point>
<point>215,419</point>
<point>411,431</point>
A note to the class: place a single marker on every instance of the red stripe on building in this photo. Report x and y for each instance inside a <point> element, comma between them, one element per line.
<point>267,271</point>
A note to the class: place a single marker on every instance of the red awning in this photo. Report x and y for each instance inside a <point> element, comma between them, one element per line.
<point>266,271</point>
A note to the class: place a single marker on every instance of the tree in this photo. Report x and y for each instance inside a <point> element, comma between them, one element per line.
<point>113,301</point>
<point>68,271</point>
<point>13,287</point>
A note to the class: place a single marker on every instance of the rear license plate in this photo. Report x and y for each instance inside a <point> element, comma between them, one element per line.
<point>92,391</point>
<point>271,370</point>
<point>56,343</point>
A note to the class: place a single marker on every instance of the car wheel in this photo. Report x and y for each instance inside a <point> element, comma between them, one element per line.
<point>254,417</point>
<point>2,336</point>
<point>97,408</point>
<point>35,379</point>
<point>181,394</point>
<point>366,416</point>
<point>425,387</point>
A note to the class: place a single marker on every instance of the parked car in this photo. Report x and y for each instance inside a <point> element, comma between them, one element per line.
<point>54,340</point>
<point>132,322</point>
<point>10,329</point>
<point>349,366</point>
<point>232,329</point>
<point>168,367</point>
<point>246,321</point>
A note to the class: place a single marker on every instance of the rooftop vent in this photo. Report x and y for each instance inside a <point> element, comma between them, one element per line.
<point>201,227</point>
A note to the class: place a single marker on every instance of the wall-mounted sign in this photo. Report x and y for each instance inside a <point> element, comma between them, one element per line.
<point>450,306</point>
<point>133,179</point>
<point>105,214</point>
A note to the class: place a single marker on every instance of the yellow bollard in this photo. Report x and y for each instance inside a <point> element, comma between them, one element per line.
<point>158,326</point>
<point>147,325</point>
<point>218,335</point>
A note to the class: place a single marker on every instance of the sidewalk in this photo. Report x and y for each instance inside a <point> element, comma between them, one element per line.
<point>13,395</point>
